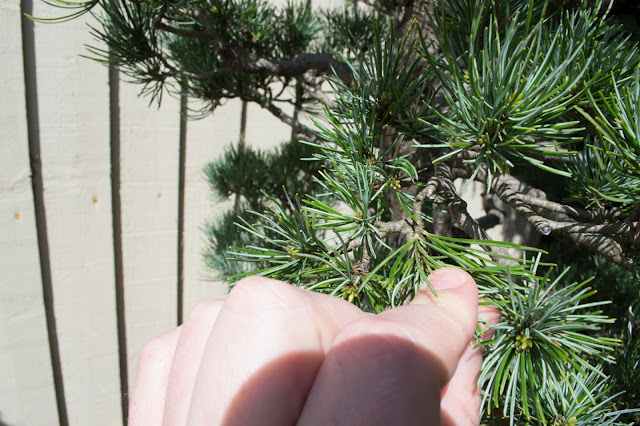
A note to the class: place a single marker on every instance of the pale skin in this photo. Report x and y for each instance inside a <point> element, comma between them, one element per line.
<point>272,355</point>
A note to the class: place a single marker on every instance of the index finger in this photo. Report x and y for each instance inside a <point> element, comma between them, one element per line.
<point>264,352</point>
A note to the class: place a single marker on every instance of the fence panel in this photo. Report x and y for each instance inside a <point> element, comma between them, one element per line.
<point>73,105</point>
<point>25,363</point>
<point>149,143</point>
<point>101,262</point>
<point>205,141</point>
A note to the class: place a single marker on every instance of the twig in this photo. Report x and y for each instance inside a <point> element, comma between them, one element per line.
<point>298,127</point>
<point>401,227</point>
<point>604,246</point>
<point>199,76</point>
<point>428,193</point>
<point>508,196</point>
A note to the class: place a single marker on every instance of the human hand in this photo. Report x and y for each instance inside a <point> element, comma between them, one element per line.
<point>274,354</point>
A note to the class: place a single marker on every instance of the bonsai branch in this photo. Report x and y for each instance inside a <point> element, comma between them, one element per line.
<point>440,187</point>
<point>277,112</point>
<point>239,60</point>
<point>598,238</point>
<point>598,215</point>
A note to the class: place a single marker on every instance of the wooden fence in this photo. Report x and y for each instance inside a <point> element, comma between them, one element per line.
<point>102,199</point>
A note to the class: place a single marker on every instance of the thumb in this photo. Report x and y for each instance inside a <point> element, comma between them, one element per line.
<point>451,315</point>
<point>390,368</point>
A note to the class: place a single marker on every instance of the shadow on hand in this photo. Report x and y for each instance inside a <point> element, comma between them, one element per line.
<point>372,380</point>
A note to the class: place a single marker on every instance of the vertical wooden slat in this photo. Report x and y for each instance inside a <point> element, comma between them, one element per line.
<point>116,217</point>
<point>27,391</point>
<point>73,102</point>
<point>182,172</point>
<point>243,123</point>
<point>149,166</point>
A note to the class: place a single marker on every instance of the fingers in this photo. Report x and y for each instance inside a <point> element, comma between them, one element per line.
<point>263,354</point>
<point>274,354</point>
<point>149,389</point>
<point>186,360</point>
<point>460,402</point>
<point>461,397</point>
<point>390,368</point>
<point>451,316</point>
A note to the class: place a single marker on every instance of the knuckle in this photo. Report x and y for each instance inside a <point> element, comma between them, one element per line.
<point>157,348</point>
<point>260,291</point>
<point>205,310</point>
<point>371,327</point>
<point>250,285</point>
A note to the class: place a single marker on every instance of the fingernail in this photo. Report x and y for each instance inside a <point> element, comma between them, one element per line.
<point>448,278</point>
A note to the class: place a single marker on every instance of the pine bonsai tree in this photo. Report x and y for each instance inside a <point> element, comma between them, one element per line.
<point>537,100</point>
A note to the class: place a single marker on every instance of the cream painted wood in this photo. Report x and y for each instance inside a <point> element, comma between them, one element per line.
<point>74,132</point>
<point>149,145</point>
<point>206,139</point>
<point>327,4</point>
<point>27,394</point>
<point>264,130</point>
<point>322,4</point>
